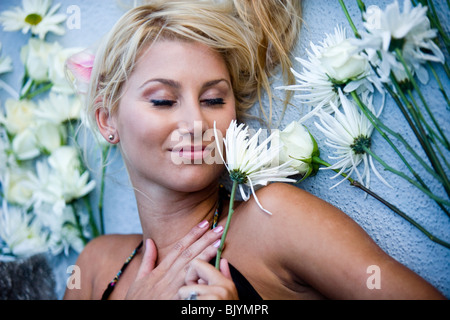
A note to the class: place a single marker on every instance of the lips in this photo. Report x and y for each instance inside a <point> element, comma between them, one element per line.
<point>190,152</point>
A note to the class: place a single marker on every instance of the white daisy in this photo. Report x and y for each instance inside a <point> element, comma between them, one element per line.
<point>349,132</point>
<point>408,31</point>
<point>34,16</point>
<point>333,64</point>
<point>251,163</point>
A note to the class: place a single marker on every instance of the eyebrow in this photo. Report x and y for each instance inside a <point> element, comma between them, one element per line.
<point>170,83</point>
<point>177,85</point>
<point>214,82</point>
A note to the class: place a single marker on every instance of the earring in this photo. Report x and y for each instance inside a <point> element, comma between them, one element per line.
<point>111,137</point>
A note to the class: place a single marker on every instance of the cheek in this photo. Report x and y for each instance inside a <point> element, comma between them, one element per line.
<point>139,133</point>
<point>223,122</point>
<point>222,117</point>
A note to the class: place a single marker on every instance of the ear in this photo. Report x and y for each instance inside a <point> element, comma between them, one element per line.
<point>106,125</point>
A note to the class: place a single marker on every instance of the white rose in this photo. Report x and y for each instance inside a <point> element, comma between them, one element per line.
<point>19,115</point>
<point>341,63</point>
<point>35,56</point>
<point>49,136</point>
<point>16,186</point>
<point>298,146</point>
<point>25,145</point>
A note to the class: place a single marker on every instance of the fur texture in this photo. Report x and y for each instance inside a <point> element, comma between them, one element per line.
<point>27,279</point>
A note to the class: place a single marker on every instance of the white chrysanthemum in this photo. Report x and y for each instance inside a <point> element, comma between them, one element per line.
<point>333,64</point>
<point>59,219</point>
<point>349,132</point>
<point>251,163</point>
<point>34,16</point>
<point>21,233</point>
<point>58,108</point>
<point>60,178</point>
<point>408,31</point>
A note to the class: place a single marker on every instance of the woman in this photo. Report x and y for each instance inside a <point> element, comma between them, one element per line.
<point>167,72</point>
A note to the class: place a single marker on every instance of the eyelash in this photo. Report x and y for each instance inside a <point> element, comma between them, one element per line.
<point>170,103</point>
<point>213,102</point>
<point>163,103</point>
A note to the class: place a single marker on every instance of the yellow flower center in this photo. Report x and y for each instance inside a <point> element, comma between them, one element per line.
<point>33,19</point>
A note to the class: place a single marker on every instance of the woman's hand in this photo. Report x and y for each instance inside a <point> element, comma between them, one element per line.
<point>207,283</point>
<point>164,281</point>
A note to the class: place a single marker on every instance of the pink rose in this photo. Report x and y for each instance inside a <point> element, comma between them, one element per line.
<point>80,65</point>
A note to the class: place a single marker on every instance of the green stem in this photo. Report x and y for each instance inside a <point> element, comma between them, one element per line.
<point>425,104</point>
<point>441,87</point>
<point>31,94</point>
<point>434,19</point>
<point>379,125</point>
<point>92,223</point>
<point>357,184</point>
<point>431,133</point>
<point>401,213</point>
<point>350,21</point>
<point>77,223</point>
<point>227,225</point>
<point>105,150</point>
<point>404,176</point>
<point>421,136</point>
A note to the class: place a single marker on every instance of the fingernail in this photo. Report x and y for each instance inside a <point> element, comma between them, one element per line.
<point>218,229</point>
<point>217,243</point>
<point>203,224</point>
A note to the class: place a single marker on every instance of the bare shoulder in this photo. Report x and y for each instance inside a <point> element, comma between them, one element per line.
<point>101,258</point>
<point>286,201</point>
<point>320,245</point>
<point>302,221</point>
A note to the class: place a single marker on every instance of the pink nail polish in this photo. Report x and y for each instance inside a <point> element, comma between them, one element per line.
<point>203,224</point>
<point>218,229</point>
<point>217,243</point>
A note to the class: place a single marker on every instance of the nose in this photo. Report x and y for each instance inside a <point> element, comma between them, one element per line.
<point>192,120</point>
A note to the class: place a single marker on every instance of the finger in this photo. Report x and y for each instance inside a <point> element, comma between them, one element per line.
<point>225,268</point>
<point>201,292</point>
<point>184,243</point>
<point>208,253</point>
<point>203,249</point>
<point>148,260</point>
<point>202,270</point>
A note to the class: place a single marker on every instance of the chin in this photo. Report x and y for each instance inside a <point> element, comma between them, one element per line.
<point>197,177</point>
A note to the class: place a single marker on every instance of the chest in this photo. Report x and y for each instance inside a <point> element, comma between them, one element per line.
<point>120,281</point>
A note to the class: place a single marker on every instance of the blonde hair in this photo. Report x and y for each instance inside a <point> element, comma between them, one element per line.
<point>254,37</point>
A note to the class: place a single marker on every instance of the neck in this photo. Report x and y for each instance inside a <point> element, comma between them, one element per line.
<point>167,216</point>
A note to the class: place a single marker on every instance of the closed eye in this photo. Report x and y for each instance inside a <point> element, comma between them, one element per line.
<point>213,102</point>
<point>163,103</point>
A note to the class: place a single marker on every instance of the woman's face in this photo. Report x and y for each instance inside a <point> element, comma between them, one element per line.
<point>167,112</point>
